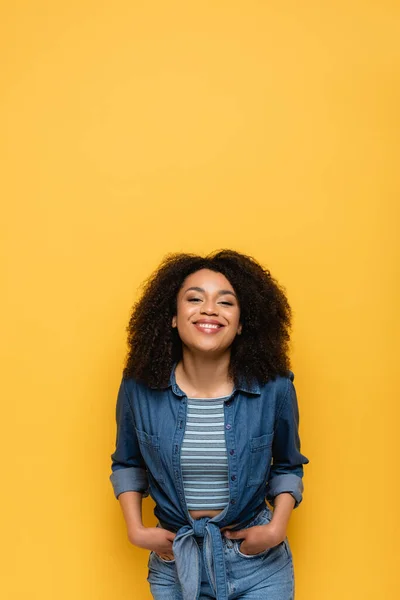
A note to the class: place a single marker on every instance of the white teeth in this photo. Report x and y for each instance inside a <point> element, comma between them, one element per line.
<point>208,325</point>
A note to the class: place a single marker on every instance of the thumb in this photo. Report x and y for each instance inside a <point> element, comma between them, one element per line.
<point>235,535</point>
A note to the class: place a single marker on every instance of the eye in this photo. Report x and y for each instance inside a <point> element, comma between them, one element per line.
<point>227,303</point>
<point>194,300</point>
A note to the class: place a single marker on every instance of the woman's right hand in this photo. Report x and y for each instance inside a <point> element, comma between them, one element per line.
<point>154,538</point>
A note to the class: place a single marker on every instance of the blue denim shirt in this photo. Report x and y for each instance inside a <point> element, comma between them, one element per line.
<point>264,460</point>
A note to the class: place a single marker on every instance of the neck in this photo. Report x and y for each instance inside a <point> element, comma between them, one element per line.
<point>204,376</point>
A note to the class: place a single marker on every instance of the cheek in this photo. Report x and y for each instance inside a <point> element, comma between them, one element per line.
<point>235,318</point>
<point>185,314</point>
<point>184,318</point>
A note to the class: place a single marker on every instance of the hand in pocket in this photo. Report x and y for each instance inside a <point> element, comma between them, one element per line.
<point>157,539</point>
<point>256,539</point>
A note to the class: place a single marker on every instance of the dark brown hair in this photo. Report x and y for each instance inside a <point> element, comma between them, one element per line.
<point>259,353</point>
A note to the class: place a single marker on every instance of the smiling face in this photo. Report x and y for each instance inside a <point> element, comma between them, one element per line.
<point>208,312</point>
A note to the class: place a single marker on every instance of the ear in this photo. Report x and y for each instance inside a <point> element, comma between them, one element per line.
<point>173,321</point>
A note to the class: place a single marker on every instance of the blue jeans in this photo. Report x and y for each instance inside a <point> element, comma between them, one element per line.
<point>268,575</point>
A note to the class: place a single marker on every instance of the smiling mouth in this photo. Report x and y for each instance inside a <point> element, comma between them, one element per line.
<point>208,327</point>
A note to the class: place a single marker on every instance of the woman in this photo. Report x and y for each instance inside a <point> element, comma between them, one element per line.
<point>207,424</point>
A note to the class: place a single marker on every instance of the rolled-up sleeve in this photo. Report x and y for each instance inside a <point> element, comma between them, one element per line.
<point>128,468</point>
<point>286,474</point>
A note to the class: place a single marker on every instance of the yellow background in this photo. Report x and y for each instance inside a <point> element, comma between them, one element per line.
<point>132,129</point>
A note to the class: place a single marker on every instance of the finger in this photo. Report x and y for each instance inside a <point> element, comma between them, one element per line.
<point>234,535</point>
<point>170,536</point>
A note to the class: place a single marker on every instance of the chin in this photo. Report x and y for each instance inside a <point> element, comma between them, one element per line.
<point>208,349</point>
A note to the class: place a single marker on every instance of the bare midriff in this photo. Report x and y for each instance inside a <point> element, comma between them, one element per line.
<point>197,514</point>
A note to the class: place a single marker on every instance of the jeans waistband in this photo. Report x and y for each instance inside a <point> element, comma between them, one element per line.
<point>187,560</point>
<point>234,526</point>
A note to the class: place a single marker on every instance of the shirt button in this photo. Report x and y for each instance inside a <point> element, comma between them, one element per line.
<point>233,501</point>
<point>231,452</point>
<point>228,403</point>
<point>228,426</point>
<point>233,477</point>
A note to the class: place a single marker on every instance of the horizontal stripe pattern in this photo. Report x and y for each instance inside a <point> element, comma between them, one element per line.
<point>204,460</point>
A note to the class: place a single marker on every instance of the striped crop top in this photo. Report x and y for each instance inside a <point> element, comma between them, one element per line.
<point>203,459</point>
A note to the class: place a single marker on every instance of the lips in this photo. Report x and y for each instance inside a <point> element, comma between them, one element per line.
<point>208,322</point>
<point>208,326</point>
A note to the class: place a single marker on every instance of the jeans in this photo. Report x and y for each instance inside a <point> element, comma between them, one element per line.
<point>268,575</point>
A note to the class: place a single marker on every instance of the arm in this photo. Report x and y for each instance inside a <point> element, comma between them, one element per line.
<point>128,467</point>
<point>286,475</point>
<point>131,506</point>
<point>260,537</point>
<point>285,486</point>
<point>151,538</point>
<point>284,504</point>
<point>130,482</point>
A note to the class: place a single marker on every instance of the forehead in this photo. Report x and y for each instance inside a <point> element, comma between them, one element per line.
<point>207,279</point>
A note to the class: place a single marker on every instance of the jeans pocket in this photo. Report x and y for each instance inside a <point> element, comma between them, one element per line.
<point>237,545</point>
<point>288,548</point>
<point>163,560</point>
<point>262,518</point>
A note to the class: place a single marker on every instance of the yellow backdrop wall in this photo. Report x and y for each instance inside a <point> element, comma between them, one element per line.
<point>133,129</point>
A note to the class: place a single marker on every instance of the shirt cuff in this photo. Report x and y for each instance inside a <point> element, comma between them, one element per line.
<point>130,479</point>
<point>292,484</point>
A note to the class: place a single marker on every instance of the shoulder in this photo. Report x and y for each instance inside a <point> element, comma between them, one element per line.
<point>138,389</point>
<point>279,382</point>
<point>278,389</point>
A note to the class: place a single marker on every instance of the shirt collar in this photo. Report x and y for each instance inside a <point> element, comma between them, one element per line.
<point>253,388</point>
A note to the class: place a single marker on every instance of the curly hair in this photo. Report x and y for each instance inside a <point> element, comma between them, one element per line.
<point>259,353</point>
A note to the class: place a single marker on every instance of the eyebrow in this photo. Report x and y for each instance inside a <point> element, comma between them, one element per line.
<point>220,293</point>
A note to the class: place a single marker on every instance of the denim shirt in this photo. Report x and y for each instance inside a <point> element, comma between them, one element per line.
<point>264,460</point>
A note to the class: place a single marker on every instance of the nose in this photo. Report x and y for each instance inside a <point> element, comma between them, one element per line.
<point>209,308</point>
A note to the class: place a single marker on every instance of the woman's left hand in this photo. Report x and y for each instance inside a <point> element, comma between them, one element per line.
<point>258,538</point>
